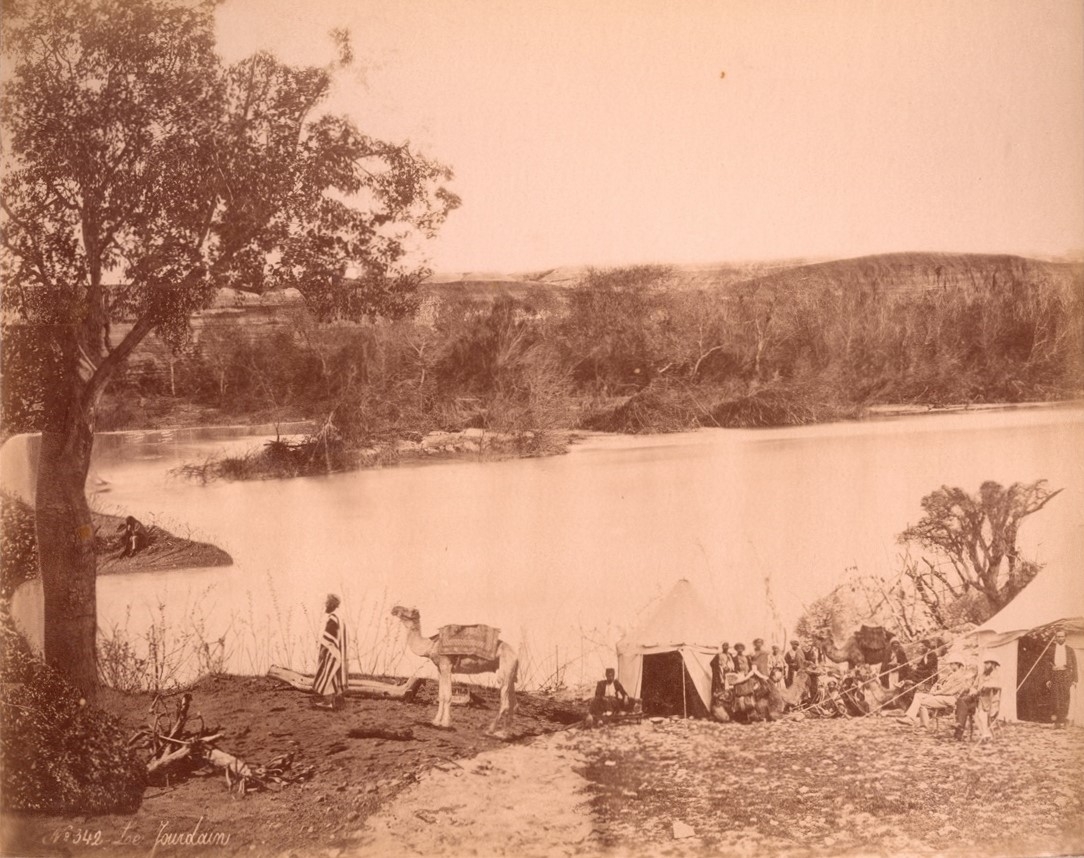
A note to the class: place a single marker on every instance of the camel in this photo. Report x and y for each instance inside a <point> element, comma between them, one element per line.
<point>792,697</point>
<point>864,694</point>
<point>870,645</point>
<point>771,703</point>
<point>505,665</point>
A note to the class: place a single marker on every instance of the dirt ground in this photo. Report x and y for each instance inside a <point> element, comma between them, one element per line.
<point>680,788</point>
<point>262,718</point>
<point>694,788</point>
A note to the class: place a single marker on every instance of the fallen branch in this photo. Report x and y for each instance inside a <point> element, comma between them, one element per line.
<point>171,748</point>
<point>166,760</point>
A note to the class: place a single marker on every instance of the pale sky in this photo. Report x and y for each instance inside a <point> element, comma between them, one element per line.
<point>606,132</point>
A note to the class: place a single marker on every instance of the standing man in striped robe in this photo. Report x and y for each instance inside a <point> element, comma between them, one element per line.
<point>331,672</point>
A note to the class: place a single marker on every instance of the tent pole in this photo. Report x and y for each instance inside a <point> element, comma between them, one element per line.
<point>1034,664</point>
<point>684,704</point>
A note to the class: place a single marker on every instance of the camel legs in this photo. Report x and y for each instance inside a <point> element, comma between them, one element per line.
<point>508,698</point>
<point>444,695</point>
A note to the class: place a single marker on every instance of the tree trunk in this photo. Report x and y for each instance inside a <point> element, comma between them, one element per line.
<point>66,537</point>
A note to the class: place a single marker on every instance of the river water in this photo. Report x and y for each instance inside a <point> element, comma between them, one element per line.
<point>563,553</point>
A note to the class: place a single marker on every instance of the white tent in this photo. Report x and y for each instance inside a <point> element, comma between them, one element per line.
<point>681,624</point>
<point>1054,598</point>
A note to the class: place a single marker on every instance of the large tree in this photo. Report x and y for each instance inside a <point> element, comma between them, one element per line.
<point>140,174</point>
<point>973,540</point>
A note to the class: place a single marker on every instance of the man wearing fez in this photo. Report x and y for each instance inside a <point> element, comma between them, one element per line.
<point>1060,669</point>
<point>775,661</point>
<point>721,665</point>
<point>793,661</point>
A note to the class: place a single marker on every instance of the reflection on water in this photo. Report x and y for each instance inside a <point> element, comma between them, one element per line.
<point>565,553</point>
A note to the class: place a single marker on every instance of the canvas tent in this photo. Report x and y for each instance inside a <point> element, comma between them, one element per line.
<point>1054,598</point>
<point>670,653</point>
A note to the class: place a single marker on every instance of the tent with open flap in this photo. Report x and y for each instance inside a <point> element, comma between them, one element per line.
<point>1018,635</point>
<point>666,661</point>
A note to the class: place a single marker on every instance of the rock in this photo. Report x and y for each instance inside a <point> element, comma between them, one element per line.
<point>682,830</point>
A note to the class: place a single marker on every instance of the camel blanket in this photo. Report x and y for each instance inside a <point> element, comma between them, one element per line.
<point>873,638</point>
<point>480,641</point>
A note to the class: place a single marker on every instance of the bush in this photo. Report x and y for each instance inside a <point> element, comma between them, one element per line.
<point>18,544</point>
<point>660,407</point>
<point>58,754</point>
<point>779,406</point>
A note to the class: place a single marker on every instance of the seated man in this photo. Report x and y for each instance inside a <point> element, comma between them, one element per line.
<point>133,538</point>
<point>981,701</point>
<point>924,668</point>
<point>610,698</point>
<point>953,682</point>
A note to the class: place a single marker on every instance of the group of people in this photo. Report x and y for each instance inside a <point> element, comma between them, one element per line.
<point>767,683</point>
<point>974,696</point>
<point>761,685</point>
<point>964,691</point>
<point>752,686</point>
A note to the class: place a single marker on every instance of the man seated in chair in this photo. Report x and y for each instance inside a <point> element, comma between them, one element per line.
<point>610,698</point>
<point>953,682</point>
<point>980,702</point>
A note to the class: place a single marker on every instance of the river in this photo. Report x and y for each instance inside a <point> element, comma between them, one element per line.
<point>562,553</point>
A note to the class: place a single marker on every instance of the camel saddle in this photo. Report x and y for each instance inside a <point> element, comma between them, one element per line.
<point>873,638</point>
<point>479,641</point>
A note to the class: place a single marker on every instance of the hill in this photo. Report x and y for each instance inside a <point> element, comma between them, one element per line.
<point>888,272</point>
<point>775,342</point>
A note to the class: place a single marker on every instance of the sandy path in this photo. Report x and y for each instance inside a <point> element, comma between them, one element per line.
<point>686,789</point>
<point>508,801</point>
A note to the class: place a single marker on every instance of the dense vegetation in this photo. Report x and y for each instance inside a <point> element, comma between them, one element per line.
<point>631,350</point>
<point>58,754</point>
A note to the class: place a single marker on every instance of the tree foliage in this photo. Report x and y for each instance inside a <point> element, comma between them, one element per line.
<point>140,174</point>
<point>975,536</point>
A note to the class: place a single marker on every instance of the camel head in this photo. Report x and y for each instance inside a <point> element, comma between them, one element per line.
<point>410,616</point>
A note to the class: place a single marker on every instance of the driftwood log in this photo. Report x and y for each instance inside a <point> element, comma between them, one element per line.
<point>175,751</point>
<point>404,735</point>
<point>356,685</point>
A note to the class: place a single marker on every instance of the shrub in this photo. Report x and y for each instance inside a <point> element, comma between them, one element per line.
<point>660,407</point>
<point>779,405</point>
<point>58,754</point>
<point>18,544</point>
